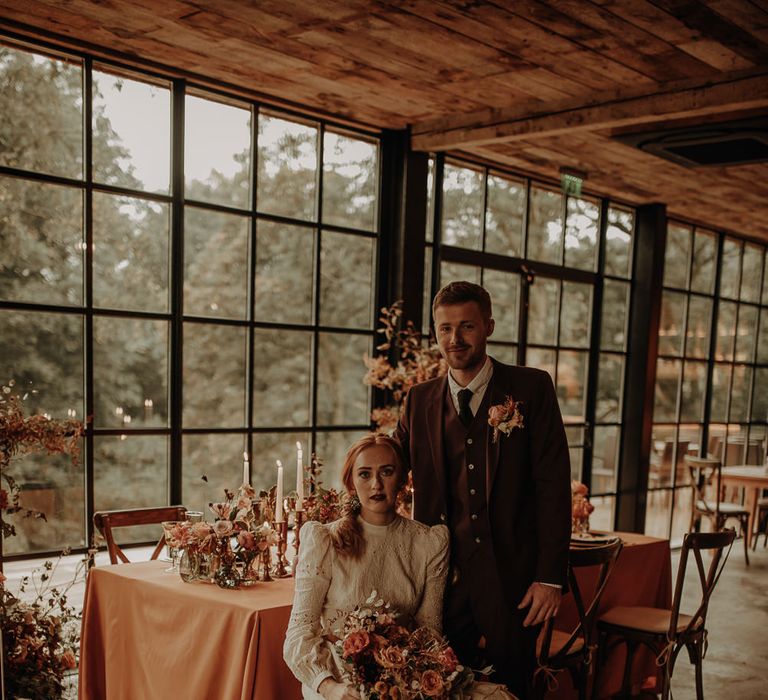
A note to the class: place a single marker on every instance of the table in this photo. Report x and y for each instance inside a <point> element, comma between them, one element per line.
<point>146,634</point>
<point>642,576</point>
<point>752,479</point>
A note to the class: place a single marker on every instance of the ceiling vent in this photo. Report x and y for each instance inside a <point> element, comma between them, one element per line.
<point>730,143</point>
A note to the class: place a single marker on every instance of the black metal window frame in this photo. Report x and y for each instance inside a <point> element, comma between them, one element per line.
<point>175,317</point>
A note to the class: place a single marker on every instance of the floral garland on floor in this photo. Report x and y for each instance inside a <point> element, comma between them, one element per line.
<point>40,638</point>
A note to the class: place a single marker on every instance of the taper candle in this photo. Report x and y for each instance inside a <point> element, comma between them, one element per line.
<point>246,475</point>
<point>299,477</point>
<point>279,493</point>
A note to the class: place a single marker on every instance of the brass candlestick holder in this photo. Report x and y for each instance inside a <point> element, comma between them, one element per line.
<point>298,521</point>
<point>279,570</point>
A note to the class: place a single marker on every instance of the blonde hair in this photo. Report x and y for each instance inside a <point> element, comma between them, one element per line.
<point>348,538</point>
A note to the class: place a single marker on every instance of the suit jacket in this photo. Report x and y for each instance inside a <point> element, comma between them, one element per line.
<point>527,475</point>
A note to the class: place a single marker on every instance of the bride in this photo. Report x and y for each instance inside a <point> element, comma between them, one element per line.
<point>370,548</point>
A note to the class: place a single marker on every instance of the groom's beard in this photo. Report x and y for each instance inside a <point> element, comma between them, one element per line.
<point>466,361</point>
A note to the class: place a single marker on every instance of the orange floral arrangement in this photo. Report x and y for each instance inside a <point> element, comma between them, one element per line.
<point>581,508</point>
<point>385,661</point>
<point>417,362</point>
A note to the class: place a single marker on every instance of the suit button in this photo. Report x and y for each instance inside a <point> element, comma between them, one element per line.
<point>474,516</point>
<point>442,517</point>
<point>469,441</point>
<point>472,492</point>
<point>477,539</point>
<point>470,467</point>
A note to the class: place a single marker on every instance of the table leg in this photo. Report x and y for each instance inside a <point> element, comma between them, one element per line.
<point>751,496</point>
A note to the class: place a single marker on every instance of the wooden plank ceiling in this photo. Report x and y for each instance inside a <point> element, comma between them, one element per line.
<point>531,84</point>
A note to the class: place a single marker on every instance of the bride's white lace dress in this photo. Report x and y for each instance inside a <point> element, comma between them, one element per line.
<point>406,562</point>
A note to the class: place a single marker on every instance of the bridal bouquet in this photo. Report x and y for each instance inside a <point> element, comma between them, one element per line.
<point>387,662</point>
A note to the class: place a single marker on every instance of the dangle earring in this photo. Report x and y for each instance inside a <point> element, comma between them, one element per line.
<point>352,504</point>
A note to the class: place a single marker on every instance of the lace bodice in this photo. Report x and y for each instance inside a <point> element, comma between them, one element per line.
<point>406,562</point>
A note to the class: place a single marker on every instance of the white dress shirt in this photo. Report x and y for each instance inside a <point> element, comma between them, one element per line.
<point>477,386</point>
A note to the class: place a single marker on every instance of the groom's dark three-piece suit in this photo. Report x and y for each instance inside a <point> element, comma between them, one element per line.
<point>507,504</point>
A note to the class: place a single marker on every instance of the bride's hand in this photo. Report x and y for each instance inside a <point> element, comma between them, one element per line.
<point>333,690</point>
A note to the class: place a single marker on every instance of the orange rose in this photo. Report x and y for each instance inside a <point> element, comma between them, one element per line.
<point>355,643</point>
<point>394,693</point>
<point>578,489</point>
<point>496,414</point>
<point>390,657</point>
<point>381,688</point>
<point>432,684</point>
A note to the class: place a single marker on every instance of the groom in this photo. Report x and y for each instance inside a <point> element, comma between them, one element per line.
<point>504,492</point>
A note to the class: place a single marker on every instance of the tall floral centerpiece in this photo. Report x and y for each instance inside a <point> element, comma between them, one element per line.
<point>415,361</point>
<point>39,629</point>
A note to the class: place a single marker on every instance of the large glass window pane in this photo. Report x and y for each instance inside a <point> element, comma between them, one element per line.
<point>41,238</point>
<point>721,390</point>
<point>730,269</point>
<point>545,226</point>
<point>740,388</point>
<point>215,263</point>
<point>602,516</point>
<point>138,151</point>
<point>581,231</point>
<point>350,179</point>
<point>131,240</point>
<point>605,458</point>
<point>542,358</point>
<point>217,152</point>
<point>751,272</point>
<point>504,216</point>
<point>287,162</point>
<point>504,288</point>
<point>268,448</point>
<point>615,313</point>
<point>504,353</point>
<point>43,352</point>
<point>657,513</point>
<point>452,272</point>
<point>610,386</point>
<point>576,315</point>
<point>426,308</point>
<point>618,242</point>
<point>332,447</point>
<point>698,326</point>
<point>346,280</point>
<point>218,458</point>
<point>51,484</point>
<point>42,102</point>
<point>726,330</point>
<point>762,343</point>
<point>677,256</point>
<point>462,207</point>
<point>281,382</point>
<point>342,398</point>
<point>704,258</point>
<point>746,333</point>
<point>542,311</point>
<point>571,383</point>
<point>760,395</point>
<point>667,389</point>
<point>214,376</point>
<point>130,372</point>
<point>666,450</point>
<point>694,388</point>
<point>672,324</point>
<point>284,272</point>
<point>131,471</point>
<point>681,515</point>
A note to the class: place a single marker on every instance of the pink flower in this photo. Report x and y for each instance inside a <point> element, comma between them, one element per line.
<point>448,659</point>
<point>578,489</point>
<point>246,540</point>
<point>68,659</point>
<point>390,657</point>
<point>431,683</point>
<point>496,414</point>
<point>220,510</point>
<point>223,528</point>
<point>355,642</point>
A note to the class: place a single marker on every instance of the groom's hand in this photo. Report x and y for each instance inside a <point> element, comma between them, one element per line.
<point>544,602</point>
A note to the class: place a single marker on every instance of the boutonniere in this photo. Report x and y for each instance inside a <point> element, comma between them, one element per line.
<point>505,417</point>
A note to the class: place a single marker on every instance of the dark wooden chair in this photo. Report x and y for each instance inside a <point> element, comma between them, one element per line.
<point>762,522</point>
<point>107,520</point>
<point>557,650</point>
<point>667,632</point>
<point>706,482</point>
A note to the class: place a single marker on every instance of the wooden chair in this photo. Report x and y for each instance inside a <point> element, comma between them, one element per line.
<point>706,476</point>
<point>106,520</point>
<point>666,632</point>
<point>762,523</point>
<point>557,650</point>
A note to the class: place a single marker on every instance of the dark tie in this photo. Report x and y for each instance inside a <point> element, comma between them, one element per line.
<point>465,413</point>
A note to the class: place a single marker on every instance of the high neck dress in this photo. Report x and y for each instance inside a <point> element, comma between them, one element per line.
<point>405,562</point>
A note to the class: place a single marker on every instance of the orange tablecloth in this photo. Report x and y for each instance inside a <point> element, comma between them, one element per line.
<point>147,635</point>
<point>642,576</point>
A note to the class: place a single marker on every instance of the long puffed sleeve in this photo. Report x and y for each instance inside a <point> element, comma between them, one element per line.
<point>305,651</point>
<point>430,612</point>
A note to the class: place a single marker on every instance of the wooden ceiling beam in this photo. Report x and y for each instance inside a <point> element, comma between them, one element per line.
<point>719,94</point>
